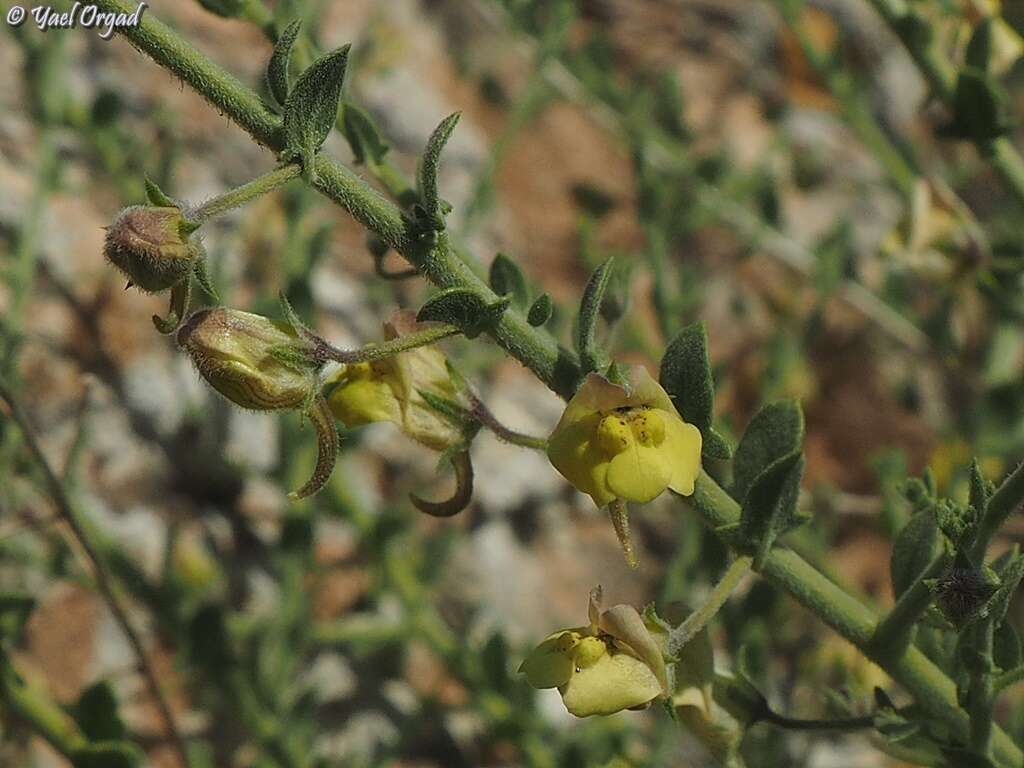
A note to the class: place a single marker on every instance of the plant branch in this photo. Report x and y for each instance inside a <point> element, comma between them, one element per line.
<point>1004,502</point>
<point>239,196</point>
<point>933,691</point>
<point>104,581</point>
<point>893,633</point>
<point>837,724</point>
<point>696,621</point>
<point>45,718</point>
<point>941,76</point>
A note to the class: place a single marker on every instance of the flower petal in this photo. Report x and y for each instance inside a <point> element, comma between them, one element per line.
<point>616,681</point>
<point>364,400</point>
<point>640,473</point>
<point>624,623</point>
<point>682,444</point>
<point>595,394</point>
<point>550,664</point>
<point>574,452</point>
<point>644,390</point>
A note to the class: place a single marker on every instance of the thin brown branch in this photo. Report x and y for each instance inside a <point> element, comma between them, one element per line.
<point>104,581</point>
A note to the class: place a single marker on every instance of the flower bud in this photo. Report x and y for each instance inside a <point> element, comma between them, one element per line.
<point>263,365</point>
<point>152,246</point>
<point>251,360</point>
<point>962,593</point>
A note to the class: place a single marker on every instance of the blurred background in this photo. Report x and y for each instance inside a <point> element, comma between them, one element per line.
<point>769,167</point>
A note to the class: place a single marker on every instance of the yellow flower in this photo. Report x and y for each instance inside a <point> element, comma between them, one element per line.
<point>615,663</point>
<point>389,389</point>
<point>630,444</point>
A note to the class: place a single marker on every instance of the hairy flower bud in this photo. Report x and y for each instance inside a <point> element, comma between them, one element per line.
<point>152,246</point>
<point>263,365</point>
<point>251,360</point>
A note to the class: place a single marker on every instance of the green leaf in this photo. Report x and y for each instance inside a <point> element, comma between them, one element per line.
<point>452,411</point>
<point>15,608</point>
<point>229,9</point>
<point>107,754</point>
<point>776,430</point>
<point>979,49</point>
<point>428,167</point>
<point>495,661</point>
<point>96,713</point>
<point>363,136</point>
<point>312,107</point>
<point>1009,578</point>
<point>979,490</point>
<point>686,376</point>
<point>507,279</point>
<point>979,107</point>
<point>1006,651</point>
<point>208,643</point>
<point>156,196</point>
<point>463,308</point>
<point>540,311</point>
<point>917,544</point>
<point>591,358</point>
<point>277,67</point>
<point>715,446</point>
<point>769,507</point>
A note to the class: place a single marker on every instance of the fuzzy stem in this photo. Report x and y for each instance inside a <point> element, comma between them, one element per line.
<point>387,348</point>
<point>1004,502</point>
<point>239,196</point>
<point>893,633</point>
<point>933,691</point>
<point>980,691</point>
<point>699,619</point>
<point>483,414</point>
<point>44,717</point>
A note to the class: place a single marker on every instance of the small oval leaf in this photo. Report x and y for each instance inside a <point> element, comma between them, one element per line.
<point>277,67</point>
<point>312,106</point>
<point>540,311</point>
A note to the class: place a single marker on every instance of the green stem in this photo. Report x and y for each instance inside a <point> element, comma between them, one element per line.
<point>1007,679</point>
<point>838,724</point>
<point>388,348</point>
<point>933,691</point>
<point>893,633</point>
<point>1004,502</point>
<point>857,113</point>
<point>239,196</point>
<point>42,715</point>
<point>923,47</point>
<point>699,619</point>
<point>435,259</point>
<point>980,691</point>
<point>483,414</point>
<point>79,528</point>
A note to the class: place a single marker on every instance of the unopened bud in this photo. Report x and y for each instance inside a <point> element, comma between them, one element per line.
<point>263,365</point>
<point>962,593</point>
<point>251,360</point>
<point>152,246</point>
